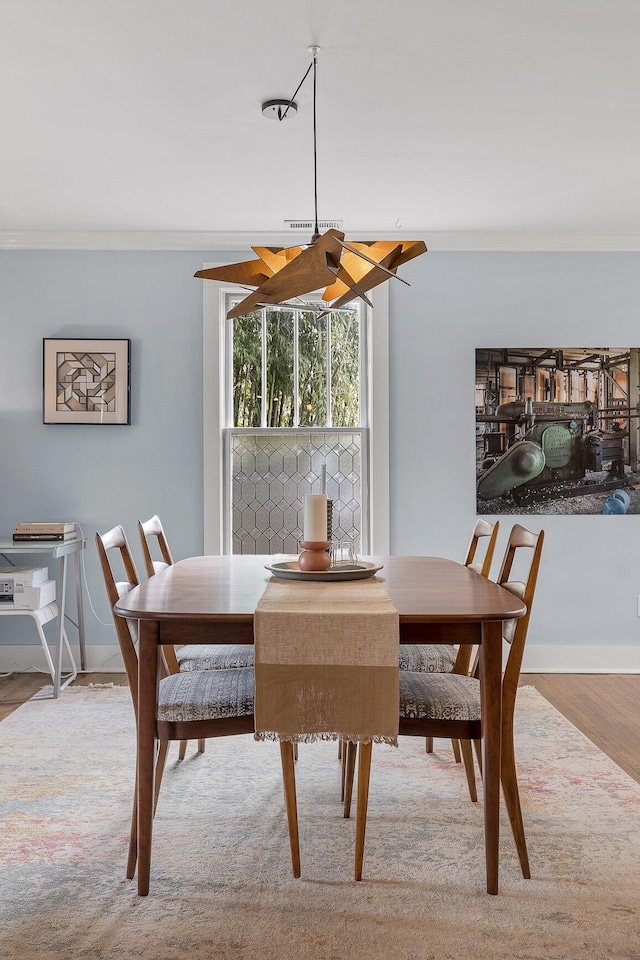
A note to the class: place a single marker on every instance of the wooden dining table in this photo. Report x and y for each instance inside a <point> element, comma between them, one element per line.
<point>212,599</point>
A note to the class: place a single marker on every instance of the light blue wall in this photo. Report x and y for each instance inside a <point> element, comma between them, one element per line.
<point>101,476</point>
<point>590,574</point>
<point>457,302</point>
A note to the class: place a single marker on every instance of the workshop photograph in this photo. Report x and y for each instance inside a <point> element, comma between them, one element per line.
<point>557,430</point>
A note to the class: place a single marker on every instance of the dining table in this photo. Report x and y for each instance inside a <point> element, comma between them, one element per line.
<point>212,599</point>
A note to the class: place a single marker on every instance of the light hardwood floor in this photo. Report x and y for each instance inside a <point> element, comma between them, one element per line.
<point>18,687</point>
<point>606,707</point>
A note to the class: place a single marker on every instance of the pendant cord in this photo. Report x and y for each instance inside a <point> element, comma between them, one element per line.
<point>316,233</point>
<point>291,99</point>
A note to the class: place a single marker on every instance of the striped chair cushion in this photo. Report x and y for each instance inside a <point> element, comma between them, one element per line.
<point>206,695</point>
<point>438,696</point>
<point>427,657</point>
<point>211,656</point>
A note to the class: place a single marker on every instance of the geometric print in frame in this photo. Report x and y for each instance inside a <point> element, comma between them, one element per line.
<point>86,381</point>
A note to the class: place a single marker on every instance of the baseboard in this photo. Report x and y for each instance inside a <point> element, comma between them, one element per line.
<point>538,658</point>
<point>604,658</point>
<point>25,657</point>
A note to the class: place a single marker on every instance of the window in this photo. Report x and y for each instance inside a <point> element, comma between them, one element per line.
<point>295,368</point>
<point>287,390</point>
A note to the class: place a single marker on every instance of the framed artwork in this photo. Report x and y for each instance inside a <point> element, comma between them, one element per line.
<point>558,430</point>
<point>86,381</point>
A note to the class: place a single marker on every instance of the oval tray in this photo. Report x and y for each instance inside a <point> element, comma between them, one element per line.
<point>289,570</point>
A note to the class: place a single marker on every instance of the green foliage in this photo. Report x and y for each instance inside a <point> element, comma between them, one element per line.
<point>280,402</point>
<point>312,368</point>
<point>345,368</point>
<point>247,370</point>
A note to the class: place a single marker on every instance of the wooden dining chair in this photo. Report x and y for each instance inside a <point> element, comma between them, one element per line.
<point>435,658</point>
<point>449,704</point>
<point>191,705</point>
<point>153,528</point>
<point>191,656</point>
<point>443,657</point>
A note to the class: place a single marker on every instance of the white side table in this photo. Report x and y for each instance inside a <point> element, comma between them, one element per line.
<point>41,616</point>
<point>59,550</point>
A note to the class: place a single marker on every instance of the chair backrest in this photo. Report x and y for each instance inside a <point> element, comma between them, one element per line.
<point>153,528</point>
<point>468,655</point>
<point>116,540</point>
<point>481,530</point>
<point>515,631</point>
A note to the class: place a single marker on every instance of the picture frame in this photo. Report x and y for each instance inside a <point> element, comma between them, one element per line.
<point>86,381</point>
<point>556,430</point>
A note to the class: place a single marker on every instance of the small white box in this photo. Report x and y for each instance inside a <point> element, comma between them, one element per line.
<point>27,576</point>
<point>32,598</point>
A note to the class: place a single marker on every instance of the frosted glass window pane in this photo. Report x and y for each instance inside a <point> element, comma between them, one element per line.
<point>271,475</point>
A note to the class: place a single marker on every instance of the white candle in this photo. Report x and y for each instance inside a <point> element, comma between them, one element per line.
<point>315,517</point>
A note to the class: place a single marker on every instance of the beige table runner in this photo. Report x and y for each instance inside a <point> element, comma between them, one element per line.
<point>326,662</point>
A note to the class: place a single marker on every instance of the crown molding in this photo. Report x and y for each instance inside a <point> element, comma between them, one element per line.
<point>444,241</point>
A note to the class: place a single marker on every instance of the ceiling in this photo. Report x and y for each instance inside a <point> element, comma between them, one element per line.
<point>501,124</point>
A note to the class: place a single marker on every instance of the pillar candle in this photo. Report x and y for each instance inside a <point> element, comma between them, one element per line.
<point>315,516</point>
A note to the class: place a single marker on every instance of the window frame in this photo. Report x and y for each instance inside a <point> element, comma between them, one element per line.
<point>374,387</point>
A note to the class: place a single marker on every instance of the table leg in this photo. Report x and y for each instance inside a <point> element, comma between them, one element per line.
<point>289,783</point>
<point>364,769</point>
<point>351,750</point>
<point>491,701</point>
<point>62,587</point>
<point>149,655</point>
<point>77,560</point>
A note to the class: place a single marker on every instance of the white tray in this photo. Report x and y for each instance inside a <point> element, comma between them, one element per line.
<point>289,570</point>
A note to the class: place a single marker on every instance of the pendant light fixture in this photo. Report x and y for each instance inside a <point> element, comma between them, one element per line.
<point>280,275</point>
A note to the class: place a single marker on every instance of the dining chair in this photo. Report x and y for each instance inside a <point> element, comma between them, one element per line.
<point>191,656</point>
<point>193,705</point>
<point>435,658</point>
<point>434,704</point>
<point>443,657</point>
<point>448,704</point>
<point>153,528</point>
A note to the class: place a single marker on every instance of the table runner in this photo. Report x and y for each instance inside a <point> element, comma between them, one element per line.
<point>326,662</point>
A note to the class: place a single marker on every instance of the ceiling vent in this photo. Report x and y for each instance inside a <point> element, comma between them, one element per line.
<point>310,225</point>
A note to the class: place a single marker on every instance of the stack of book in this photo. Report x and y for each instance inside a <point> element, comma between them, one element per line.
<point>42,530</point>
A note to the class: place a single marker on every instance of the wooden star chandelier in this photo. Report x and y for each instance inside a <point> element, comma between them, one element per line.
<point>280,275</point>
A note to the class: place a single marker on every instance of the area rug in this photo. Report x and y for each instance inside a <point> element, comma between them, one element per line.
<point>221,883</point>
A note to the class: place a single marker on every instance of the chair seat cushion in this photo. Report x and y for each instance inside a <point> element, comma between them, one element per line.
<point>206,695</point>
<point>438,696</point>
<point>213,656</point>
<point>427,657</point>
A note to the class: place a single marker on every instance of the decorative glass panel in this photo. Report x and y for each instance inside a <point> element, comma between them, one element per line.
<point>272,472</point>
